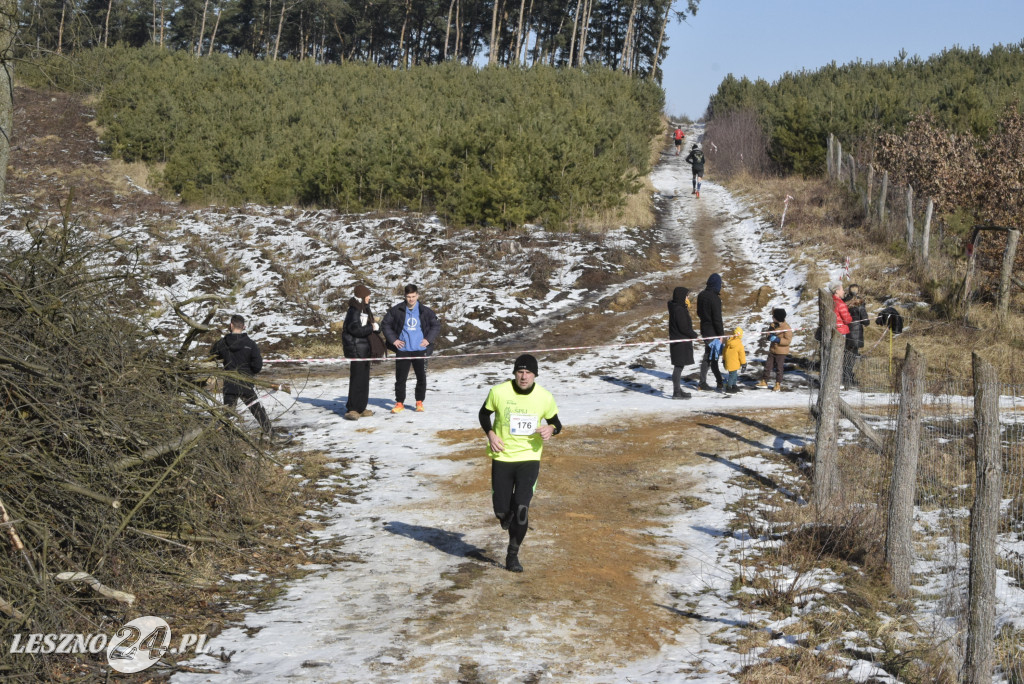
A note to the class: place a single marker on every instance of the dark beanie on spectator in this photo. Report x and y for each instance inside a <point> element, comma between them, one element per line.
<point>362,292</point>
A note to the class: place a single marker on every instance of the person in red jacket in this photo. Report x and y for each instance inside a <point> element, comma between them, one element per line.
<point>679,135</point>
<point>843,318</point>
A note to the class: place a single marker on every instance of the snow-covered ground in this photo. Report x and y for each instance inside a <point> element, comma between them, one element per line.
<point>348,622</point>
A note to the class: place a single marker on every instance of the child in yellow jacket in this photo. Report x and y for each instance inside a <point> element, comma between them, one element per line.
<point>734,357</point>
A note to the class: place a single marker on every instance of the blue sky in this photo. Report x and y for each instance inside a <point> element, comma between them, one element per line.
<point>766,38</point>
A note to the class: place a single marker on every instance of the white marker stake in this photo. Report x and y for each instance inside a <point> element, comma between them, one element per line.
<point>785,206</point>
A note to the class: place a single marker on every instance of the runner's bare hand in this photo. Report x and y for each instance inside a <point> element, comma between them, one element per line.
<point>496,444</point>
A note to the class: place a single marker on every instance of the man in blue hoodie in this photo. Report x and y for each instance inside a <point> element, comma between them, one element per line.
<point>709,311</point>
<point>410,329</point>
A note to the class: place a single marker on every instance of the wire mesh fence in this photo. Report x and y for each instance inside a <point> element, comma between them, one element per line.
<point>945,487</point>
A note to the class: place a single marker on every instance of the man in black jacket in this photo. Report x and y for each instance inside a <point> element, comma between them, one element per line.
<point>696,161</point>
<point>709,311</point>
<point>410,329</point>
<point>241,355</point>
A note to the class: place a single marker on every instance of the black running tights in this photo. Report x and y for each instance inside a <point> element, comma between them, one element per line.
<point>512,486</point>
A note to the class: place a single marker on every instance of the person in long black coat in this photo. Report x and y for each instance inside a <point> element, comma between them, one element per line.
<point>709,311</point>
<point>356,342</point>
<point>680,327</point>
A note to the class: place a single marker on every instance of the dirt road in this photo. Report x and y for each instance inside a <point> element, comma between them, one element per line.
<point>632,551</point>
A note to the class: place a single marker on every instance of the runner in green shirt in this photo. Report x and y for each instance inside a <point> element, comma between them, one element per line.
<point>514,443</point>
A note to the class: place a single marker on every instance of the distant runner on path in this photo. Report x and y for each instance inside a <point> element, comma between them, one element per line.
<point>679,135</point>
<point>514,443</point>
<point>696,161</point>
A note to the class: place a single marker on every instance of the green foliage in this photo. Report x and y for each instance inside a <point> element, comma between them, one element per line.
<point>487,146</point>
<point>628,36</point>
<point>965,91</point>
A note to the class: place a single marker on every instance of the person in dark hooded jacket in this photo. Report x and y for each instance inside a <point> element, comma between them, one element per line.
<point>240,354</point>
<point>680,327</point>
<point>709,311</point>
<point>360,340</point>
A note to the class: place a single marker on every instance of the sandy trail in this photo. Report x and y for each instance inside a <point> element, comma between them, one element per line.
<point>612,587</point>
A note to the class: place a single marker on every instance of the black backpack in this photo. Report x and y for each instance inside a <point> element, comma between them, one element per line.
<point>891,318</point>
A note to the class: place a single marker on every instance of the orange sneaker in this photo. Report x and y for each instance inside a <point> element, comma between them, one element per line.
<point>698,194</point>
<point>398,407</point>
<point>419,407</point>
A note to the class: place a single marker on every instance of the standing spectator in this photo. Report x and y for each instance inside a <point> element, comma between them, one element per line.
<point>410,329</point>
<point>780,335</point>
<point>709,311</point>
<point>855,340</point>
<point>240,354</point>
<point>680,327</point>
<point>734,357</point>
<point>514,443</point>
<point>696,161</point>
<point>843,318</point>
<point>360,340</point>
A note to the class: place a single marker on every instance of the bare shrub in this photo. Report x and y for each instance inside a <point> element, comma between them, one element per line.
<point>116,458</point>
<point>736,142</point>
<point>937,163</point>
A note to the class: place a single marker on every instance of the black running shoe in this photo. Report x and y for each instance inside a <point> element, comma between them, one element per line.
<point>512,563</point>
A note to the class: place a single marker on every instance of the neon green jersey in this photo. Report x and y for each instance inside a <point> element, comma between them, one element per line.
<point>516,420</point>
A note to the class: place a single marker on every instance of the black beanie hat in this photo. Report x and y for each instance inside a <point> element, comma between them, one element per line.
<point>779,314</point>
<point>525,362</point>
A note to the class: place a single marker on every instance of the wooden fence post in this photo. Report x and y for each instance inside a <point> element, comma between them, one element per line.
<point>988,491</point>
<point>882,197</point>
<point>972,251</point>
<point>1009,256</point>
<point>926,231</point>
<point>899,547</point>
<point>867,193</point>
<point>830,165</point>
<point>839,160</point>
<point>826,440</point>
<point>910,217</point>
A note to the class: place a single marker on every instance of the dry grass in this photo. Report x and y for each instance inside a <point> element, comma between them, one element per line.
<point>824,224</point>
<point>122,174</point>
<point>791,666</point>
<point>320,348</point>
<point>637,210</point>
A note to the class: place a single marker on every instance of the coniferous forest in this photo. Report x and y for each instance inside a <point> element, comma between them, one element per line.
<point>626,35</point>
<point>965,91</point>
<point>371,105</point>
<point>491,146</point>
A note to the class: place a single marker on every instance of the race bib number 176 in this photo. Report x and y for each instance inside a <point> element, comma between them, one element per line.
<point>522,424</point>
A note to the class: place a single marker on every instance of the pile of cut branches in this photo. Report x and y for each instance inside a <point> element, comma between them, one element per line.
<point>116,460</point>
